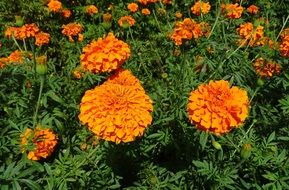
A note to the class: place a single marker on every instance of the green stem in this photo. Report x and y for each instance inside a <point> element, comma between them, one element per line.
<point>15,41</point>
<point>38,101</point>
<point>216,21</point>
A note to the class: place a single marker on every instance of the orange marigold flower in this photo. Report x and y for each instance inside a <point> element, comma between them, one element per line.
<point>145,2</point>
<point>16,57</point>
<point>187,29</point>
<point>284,33</point>
<point>146,11</point>
<point>126,21</point>
<point>167,2</point>
<point>3,61</point>
<point>179,14</point>
<point>133,7</point>
<point>66,13</point>
<point>91,9</point>
<point>217,108</point>
<point>13,31</point>
<point>253,9</point>
<point>116,112</point>
<point>105,54</point>
<point>28,30</point>
<point>54,6</point>
<point>232,10</point>
<point>284,47</point>
<point>38,143</point>
<point>201,7</point>
<point>265,68</point>
<point>42,38</point>
<point>72,30</point>
<point>251,35</point>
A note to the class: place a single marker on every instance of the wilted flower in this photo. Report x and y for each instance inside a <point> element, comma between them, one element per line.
<point>216,107</point>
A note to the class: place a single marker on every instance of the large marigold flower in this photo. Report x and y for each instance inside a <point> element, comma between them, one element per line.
<point>42,38</point>
<point>132,7</point>
<point>38,143</point>
<point>265,68</point>
<point>217,108</point>
<point>72,30</point>
<point>105,54</point>
<point>116,112</point>
<point>126,21</point>
<point>201,7</point>
<point>54,6</point>
<point>232,10</point>
<point>186,30</point>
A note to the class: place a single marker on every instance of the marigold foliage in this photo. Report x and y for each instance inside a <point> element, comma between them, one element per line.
<point>117,112</point>
<point>105,54</point>
<point>218,108</point>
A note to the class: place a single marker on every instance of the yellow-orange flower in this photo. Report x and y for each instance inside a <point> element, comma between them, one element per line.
<point>146,11</point>
<point>54,6</point>
<point>16,57</point>
<point>126,21</point>
<point>253,9</point>
<point>28,30</point>
<point>284,47</point>
<point>105,54</point>
<point>12,31</point>
<point>250,35</point>
<point>3,61</point>
<point>284,34</point>
<point>72,30</point>
<point>266,68</point>
<point>42,38</point>
<point>145,2</point>
<point>178,14</point>
<point>117,112</point>
<point>216,107</point>
<point>201,7</point>
<point>66,13</point>
<point>132,7</point>
<point>232,10</point>
<point>186,30</point>
<point>167,2</point>
<point>38,143</point>
<point>91,9</point>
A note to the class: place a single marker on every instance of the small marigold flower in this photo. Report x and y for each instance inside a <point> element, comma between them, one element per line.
<point>284,34</point>
<point>126,21</point>
<point>72,30</point>
<point>42,38</point>
<point>16,57</point>
<point>77,74</point>
<point>167,2</point>
<point>250,35</point>
<point>178,15</point>
<point>54,6</point>
<point>116,112</point>
<point>91,9</point>
<point>201,7</point>
<point>146,11</point>
<point>216,107</point>
<point>253,9</point>
<point>186,29</point>
<point>38,143</point>
<point>232,10</point>
<point>265,68</point>
<point>28,30</point>
<point>284,47</point>
<point>3,62</point>
<point>145,2</point>
<point>13,31</point>
<point>66,13</point>
<point>105,54</point>
<point>132,7</point>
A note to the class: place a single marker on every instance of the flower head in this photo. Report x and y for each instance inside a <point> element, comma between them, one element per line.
<point>66,13</point>
<point>72,30</point>
<point>42,38</point>
<point>265,68</point>
<point>38,143</point>
<point>145,2</point>
<point>217,108</point>
<point>251,35</point>
<point>132,7</point>
<point>13,31</point>
<point>253,9</point>
<point>91,9</point>
<point>146,11</point>
<point>105,54</point>
<point>54,6</point>
<point>201,7</point>
<point>126,21</point>
<point>232,10</point>
<point>29,30</point>
<point>117,112</point>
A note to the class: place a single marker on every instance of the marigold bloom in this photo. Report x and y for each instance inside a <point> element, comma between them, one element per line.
<point>186,29</point>
<point>116,112</point>
<point>42,38</point>
<point>265,68</point>
<point>201,7</point>
<point>253,9</point>
<point>146,11</point>
<point>284,47</point>
<point>3,61</point>
<point>217,108</point>
<point>105,54</point>
<point>39,143</point>
<point>125,21</point>
<point>232,10</point>
<point>54,6</point>
<point>72,30</point>
<point>29,30</point>
<point>13,31</point>
<point>16,57</point>
<point>66,13</point>
<point>145,2</point>
<point>251,35</point>
<point>284,34</point>
<point>91,9</point>
<point>167,2</point>
<point>178,14</point>
<point>132,7</point>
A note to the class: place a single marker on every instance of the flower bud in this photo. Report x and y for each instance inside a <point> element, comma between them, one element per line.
<point>217,145</point>
<point>246,151</point>
<point>41,66</point>
<point>19,21</point>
